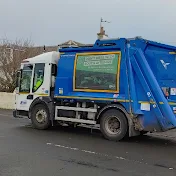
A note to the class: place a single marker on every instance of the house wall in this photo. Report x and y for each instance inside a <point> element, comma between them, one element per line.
<point>7,100</point>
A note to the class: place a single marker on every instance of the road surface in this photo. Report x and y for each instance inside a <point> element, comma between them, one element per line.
<point>25,151</point>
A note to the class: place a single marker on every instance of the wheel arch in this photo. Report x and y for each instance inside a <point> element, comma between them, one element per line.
<point>47,102</point>
<point>120,107</point>
<point>112,106</point>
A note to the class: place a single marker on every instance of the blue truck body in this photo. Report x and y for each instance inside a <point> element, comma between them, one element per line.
<point>145,85</point>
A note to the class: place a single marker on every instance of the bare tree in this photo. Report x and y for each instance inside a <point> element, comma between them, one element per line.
<point>11,55</point>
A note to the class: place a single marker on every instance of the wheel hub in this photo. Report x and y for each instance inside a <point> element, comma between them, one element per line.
<point>112,125</point>
<point>41,116</point>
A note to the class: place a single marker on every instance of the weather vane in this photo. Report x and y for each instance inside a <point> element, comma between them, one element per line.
<point>103,21</point>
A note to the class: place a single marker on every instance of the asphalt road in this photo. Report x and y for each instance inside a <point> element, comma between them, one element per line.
<point>63,151</point>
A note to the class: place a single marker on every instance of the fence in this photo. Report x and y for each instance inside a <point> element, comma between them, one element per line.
<point>7,100</point>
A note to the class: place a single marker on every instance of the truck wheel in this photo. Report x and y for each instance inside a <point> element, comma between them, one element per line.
<point>113,125</point>
<point>40,117</point>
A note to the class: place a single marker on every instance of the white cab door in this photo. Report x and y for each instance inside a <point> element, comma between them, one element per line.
<point>25,88</point>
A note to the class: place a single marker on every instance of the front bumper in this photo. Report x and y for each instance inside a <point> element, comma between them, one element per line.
<point>14,113</point>
<point>20,114</point>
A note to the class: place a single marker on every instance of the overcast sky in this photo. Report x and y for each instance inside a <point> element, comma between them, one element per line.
<point>51,22</point>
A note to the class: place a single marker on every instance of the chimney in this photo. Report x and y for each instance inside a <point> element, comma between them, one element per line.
<point>101,34</point>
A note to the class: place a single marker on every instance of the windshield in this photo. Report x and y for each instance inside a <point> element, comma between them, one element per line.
<point>26,79</point>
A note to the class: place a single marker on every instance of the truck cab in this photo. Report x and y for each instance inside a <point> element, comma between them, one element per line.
<point>36,78</point>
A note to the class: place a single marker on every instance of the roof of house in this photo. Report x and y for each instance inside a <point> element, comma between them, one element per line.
<point>36,50</point>
<point>70,42</point>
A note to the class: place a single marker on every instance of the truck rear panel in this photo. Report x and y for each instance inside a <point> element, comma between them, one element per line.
<point>153,69</point>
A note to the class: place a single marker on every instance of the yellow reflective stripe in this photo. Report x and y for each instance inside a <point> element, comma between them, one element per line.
<point>147,102</point>
<point>111,99</point>
<point>93,98</point>
<point>172,52</point>
<point>33,94</point>
<point>41,94</point>
<point>106,99</point>
<point>23,93</point>
<point>144,102</point>
<point>172,103</point>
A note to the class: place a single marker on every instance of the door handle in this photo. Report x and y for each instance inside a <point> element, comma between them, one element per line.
<point>30,97</point>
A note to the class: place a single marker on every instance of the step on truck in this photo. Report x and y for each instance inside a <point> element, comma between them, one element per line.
<point>126,87</point>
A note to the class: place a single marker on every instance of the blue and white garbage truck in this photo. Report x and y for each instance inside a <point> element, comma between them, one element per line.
<point>124,86</point>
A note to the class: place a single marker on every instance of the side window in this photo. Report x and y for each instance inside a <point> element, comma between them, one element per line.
<point>97,72</point>
<point>54,70</point>
<point>25,80</point>
<point>38,76</point>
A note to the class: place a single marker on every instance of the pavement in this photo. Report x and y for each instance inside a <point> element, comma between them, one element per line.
<point>64,151</point>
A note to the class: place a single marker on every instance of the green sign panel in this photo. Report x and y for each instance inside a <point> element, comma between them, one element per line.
<point>98,63</point>
<point>97,72</point>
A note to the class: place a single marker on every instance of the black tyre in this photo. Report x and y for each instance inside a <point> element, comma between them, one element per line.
<point>40,117</point>
<point>114,125</point>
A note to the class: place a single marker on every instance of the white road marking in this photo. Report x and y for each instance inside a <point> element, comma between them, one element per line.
<point>65,147</point>
<point>74,148</point>
<point>120,158</point>
<point>86,151</point>
<point>101,154</point>
<point>49,143</point>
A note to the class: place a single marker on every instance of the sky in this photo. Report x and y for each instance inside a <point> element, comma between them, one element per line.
<point>51,22</point>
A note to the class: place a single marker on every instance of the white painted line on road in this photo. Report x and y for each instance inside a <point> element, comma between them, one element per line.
<point>62,146</point>
<point>74,148</point>
<point>120,158</point>
<point>48,143</point>
<point>85,151</point>
<point>101,154</point>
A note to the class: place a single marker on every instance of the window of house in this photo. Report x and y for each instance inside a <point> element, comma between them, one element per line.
<point>97,72</point>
